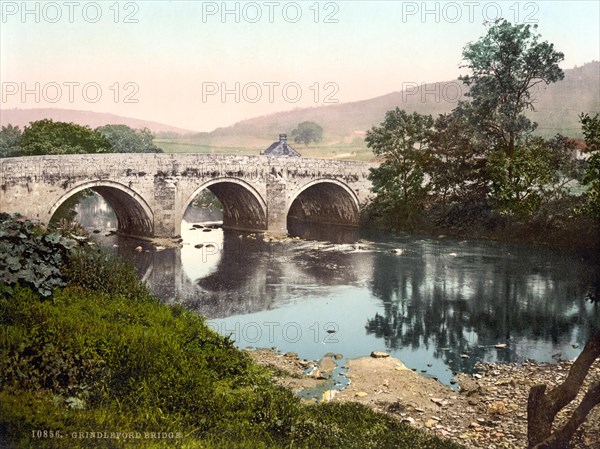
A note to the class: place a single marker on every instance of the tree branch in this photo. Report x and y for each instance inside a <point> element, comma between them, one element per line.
<point>560,438</point>
<point>567,391</point>
<point>542,408</point>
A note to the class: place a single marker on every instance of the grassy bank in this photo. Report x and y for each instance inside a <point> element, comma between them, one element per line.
<point>99,362</point>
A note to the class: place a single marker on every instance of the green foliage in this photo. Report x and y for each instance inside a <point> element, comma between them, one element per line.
<point>401,142</point>
<point>456,161</point>
<point>10,140</point>
<point>30,256</point>
<point>96,269</point>
<point>506,64</point>
<point>591,131</point>
<point>540,170</point>
<point>49,137</point>
<point>485,171</point>
<point>123,139</point>
<point>307,132</point>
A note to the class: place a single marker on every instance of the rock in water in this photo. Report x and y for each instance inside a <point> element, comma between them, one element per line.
<point>379,354</point>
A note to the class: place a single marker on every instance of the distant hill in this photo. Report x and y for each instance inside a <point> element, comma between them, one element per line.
<point>557,108</point>
<point>22,118</point>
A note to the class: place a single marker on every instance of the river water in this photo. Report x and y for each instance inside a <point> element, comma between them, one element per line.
<point>438,304</point>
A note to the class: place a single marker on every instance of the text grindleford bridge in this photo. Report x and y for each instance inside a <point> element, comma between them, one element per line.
<point>150,192</point>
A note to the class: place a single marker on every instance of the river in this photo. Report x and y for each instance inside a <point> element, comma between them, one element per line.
<point>438,304</point>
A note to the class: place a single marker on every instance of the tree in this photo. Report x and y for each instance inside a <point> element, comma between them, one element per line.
<point>591,132</point>
<point>401,142</point>
<point>307,132</point>
<point>123,139</point>
<point>10,140</point>
<point>506,64</point>
<point>456,162</point>
<point>49,137</point>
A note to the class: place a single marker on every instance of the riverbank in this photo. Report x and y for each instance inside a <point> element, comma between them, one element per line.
<point>559,226</point>
<point>489,411</point>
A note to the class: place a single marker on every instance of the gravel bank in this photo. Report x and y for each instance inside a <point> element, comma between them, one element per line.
<point>489,411</point>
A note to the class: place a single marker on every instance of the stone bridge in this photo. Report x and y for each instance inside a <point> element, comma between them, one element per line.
<point>151,192</point>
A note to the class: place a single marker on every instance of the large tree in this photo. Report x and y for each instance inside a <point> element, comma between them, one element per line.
<point>49,137</point>
<point>401,142</point>
<point>307,132</point>
<point>124,139</point>
<point>506,64</point>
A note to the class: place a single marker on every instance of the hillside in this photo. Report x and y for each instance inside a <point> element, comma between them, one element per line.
<point>557,108</point>
<point>22,118</point>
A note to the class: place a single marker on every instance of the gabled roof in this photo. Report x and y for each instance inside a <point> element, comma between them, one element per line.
<point>281,148</point>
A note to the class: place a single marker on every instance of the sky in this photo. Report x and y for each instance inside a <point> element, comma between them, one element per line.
<point>201,65</point>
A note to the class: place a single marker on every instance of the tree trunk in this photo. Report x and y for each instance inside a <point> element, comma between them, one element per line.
<point>542,407</point>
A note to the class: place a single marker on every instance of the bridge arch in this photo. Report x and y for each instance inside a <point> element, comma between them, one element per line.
<point>134,216</point>
<point>326,201</point>
<point>243,206</point>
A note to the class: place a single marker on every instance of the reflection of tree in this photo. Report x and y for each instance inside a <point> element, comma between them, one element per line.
<point>459,303</point>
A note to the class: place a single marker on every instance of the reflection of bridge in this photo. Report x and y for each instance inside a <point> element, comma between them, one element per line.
<point>150,192</point>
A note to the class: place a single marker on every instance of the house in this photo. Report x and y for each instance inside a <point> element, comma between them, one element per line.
<point>578,150</point>
<point>281,148</point>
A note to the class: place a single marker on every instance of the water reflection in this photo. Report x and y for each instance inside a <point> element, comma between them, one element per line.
<point>437,302</point>
<point>461,299</point>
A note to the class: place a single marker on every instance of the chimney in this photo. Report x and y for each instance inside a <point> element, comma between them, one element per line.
<point>283,138</point>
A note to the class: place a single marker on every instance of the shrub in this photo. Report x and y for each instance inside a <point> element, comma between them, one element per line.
<point>30,256</point>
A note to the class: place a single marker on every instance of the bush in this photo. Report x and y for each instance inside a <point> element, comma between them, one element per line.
<point>32,257</point>
<point>97,270</point>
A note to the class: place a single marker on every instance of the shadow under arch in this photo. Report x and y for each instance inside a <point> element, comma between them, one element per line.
<point>134,216</point>
<point>325,201</point>
<point>244,209</point>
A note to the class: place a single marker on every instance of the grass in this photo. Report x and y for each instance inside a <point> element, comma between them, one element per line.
<point>102,356</point>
